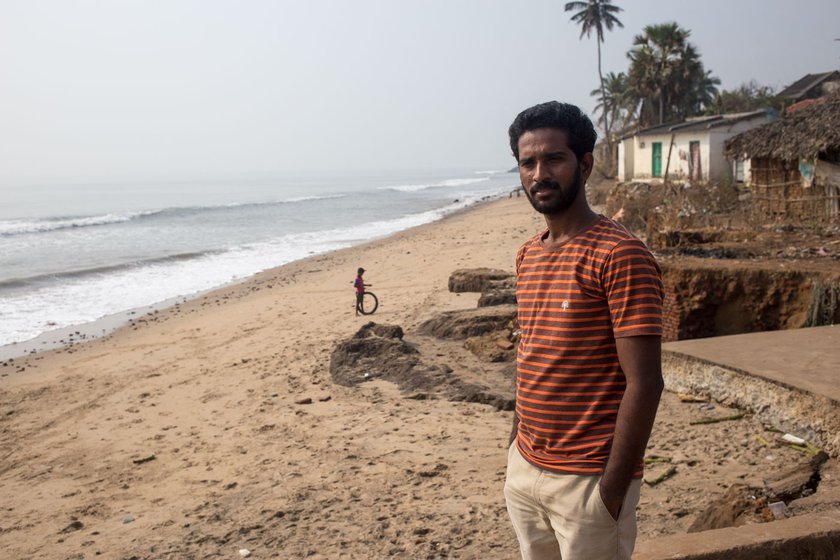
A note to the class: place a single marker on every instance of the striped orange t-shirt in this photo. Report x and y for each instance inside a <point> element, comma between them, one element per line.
<point>574,300</point>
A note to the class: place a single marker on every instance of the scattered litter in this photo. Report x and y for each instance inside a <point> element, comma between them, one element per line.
<point>144,459</point>
<point>651,459</point>
<point>685,397</point>
<point>707,406</point>
<point>244,552</point>
<point>307,400</point>
<point>127,519</point>
<point>763,441</point>
<point>807,449</point>
<point>669,472</point>
<point>716,420</point>
<point>778,509</point>
<point>790,438</point>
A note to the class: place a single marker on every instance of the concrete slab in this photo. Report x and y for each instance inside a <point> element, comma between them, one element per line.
<point>806,359</point>
<point>793,381</point>
<point>810,537</point>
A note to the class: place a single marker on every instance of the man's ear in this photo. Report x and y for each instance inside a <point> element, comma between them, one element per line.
<point>586,164</point>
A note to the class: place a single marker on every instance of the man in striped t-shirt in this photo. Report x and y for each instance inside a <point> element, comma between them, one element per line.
<point>588,368</point>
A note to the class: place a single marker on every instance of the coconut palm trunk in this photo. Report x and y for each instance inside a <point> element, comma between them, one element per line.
<point>596,15</point>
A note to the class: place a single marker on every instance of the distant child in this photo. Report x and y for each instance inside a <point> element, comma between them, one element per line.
<point>359,283</point>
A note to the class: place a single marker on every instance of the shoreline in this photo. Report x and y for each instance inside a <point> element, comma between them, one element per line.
<point>80,333</point>
<point>216,424</point>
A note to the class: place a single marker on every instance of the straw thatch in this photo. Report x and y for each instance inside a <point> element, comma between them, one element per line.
<point>804,134</point>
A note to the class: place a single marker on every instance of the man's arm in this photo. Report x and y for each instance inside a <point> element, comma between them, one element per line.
<point>514,429</point>
<point>641,359</point>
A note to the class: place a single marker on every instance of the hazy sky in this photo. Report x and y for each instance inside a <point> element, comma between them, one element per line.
<point>99,89</point>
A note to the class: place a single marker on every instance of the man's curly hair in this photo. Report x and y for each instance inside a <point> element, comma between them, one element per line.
<point>553,114</point>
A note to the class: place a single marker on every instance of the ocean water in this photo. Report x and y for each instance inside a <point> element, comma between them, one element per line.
<point>73,253</point>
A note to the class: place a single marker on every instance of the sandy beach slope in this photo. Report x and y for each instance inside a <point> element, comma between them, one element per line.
<point>180,436</point>
<point>190,433</point>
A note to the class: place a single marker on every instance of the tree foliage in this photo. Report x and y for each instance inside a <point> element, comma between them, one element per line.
<point>667,76</point>
<point>615,102</point>
<point>749,96</point>
<point>594,15</point>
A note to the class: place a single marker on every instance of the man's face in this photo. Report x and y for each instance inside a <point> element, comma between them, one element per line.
<point>551,174</point>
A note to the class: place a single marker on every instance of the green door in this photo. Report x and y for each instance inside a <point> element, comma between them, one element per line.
<point>657,159</point>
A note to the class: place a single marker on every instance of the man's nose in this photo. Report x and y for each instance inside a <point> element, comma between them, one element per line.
<point>540,172</point>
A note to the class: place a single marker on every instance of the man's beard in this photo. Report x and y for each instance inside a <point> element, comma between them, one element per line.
<point>561,201</point>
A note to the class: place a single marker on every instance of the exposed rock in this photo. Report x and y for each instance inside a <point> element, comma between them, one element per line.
<point>508,283</point>
<point>374,351</point>
<point>475,279</point>
<point>378,351</point>
<point>492,347</point>
<point>497,297</point>
<point>470,322</point>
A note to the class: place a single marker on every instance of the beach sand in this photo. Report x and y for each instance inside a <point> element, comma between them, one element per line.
<point>190,433</point>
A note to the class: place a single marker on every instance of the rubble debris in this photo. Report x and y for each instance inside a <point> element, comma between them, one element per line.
<point>657,477</point>
<point>716,420</point>
<point>686,398</point>
<point>790,438</point>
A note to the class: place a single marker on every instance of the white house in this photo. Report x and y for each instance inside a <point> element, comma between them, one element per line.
<point>690,150</point>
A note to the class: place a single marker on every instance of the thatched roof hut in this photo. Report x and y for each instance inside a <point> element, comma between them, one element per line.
<point>809,133</point>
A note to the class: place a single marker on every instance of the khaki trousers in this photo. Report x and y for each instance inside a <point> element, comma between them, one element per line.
<point>562,516</point>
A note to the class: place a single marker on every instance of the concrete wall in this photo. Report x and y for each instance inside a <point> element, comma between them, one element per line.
<point>621,172</point>
<point>636,162</point>
<point>810,537</point>
<point>643,155</point>
<point>816,418</point>
<point>719,167</point>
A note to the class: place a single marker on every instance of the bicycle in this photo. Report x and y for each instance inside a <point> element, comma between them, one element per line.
<point>369,303</point>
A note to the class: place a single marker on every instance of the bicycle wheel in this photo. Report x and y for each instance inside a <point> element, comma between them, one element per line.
<point>369,303</point>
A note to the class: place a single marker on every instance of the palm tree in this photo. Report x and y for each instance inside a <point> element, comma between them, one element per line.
<point>666,71</point>
<point>597,15</point>
<point>654,65</point>
<point>616,101</point>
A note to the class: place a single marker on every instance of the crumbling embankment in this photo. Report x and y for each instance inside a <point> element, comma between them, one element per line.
<point>715,297</point>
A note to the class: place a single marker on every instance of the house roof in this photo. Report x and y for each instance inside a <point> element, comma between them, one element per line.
<point>804,103</point>
<point>805,133</point>
<point>695,124</point>
<point>801,86</point>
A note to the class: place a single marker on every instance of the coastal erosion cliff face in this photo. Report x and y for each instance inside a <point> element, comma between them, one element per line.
<point>724,297</point>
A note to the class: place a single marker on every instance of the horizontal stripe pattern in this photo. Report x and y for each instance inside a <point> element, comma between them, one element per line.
<point>574,300</point>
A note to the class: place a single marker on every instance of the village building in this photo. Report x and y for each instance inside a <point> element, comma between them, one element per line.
<point>795,163</point>
<point>691,150</point>
<point>811,86</point>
